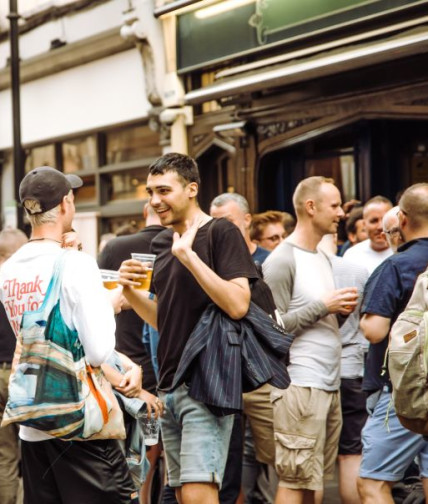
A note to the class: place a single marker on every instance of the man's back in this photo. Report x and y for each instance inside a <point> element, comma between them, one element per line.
<point>386,294</point>
<point>24,280</point>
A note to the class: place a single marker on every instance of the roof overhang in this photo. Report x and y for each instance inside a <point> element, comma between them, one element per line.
<point>405,44</point>
<point>171,7</point>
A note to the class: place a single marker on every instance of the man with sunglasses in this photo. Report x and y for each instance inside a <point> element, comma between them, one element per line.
<point>268,229</point>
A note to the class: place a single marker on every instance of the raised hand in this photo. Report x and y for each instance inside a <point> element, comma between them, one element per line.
<point>182,245</point>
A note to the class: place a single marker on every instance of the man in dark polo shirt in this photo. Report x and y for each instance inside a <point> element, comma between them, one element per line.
<point>10,241</point>
<point>389,449</point>
<point>129,326</point>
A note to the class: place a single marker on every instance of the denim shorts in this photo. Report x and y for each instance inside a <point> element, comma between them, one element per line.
<point>196,442</point>
<point>388,447</point>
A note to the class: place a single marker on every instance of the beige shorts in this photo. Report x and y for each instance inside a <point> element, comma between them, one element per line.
<point>258,410</point>
<point>307,423</point>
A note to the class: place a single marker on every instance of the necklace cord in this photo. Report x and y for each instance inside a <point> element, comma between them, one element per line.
<point>42,239</point>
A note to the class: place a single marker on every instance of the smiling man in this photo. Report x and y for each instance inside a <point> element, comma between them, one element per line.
<point>196,442</point>
<point>371,252</point>
<point>307,417</point>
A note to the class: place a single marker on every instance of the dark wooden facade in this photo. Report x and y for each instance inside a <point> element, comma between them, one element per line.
<point>376,114</point>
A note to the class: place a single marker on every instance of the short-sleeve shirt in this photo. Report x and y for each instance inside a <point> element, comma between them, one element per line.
<point>259,255</point>
<point>386,294</point>
<point>181,300</point>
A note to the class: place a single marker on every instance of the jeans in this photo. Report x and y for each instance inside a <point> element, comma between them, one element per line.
<point>196,442</point>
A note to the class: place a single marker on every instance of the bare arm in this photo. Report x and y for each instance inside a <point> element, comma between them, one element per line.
<point>138,299</point>
<point>112,375</point>
<point>232,296</point>
<point>375,327</point>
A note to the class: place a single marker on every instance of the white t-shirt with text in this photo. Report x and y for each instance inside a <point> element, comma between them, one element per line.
<point>85,305</point>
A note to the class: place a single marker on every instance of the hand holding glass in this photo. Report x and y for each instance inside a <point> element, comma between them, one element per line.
<point>148,260</point>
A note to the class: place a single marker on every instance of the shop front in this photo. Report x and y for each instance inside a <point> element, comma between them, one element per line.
<point>284,90</point>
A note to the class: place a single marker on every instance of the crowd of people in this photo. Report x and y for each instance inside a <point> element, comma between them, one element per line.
<point>338,274</point>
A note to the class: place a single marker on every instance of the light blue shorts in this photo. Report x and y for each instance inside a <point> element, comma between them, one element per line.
<point>196,442</point>
<point>389,449</point>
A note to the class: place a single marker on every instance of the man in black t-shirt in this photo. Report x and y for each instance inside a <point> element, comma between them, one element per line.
<point>196,442</point>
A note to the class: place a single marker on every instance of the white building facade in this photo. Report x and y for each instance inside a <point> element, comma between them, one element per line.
<point>92,76</point>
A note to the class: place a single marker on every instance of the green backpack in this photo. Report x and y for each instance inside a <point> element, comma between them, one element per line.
<point>408,360</point>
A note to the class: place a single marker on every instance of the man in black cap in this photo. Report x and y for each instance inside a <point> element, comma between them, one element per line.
<point>55,470</point>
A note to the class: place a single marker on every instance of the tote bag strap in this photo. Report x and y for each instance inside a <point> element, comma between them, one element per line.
<point>54,287</point>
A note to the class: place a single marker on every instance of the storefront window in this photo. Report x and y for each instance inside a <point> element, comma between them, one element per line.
<point>126,225</point>
<point>40,156</point>
<point>79,154</point>
<point>341,168</point>
<point>129,144</point>
<point>87,193</point>
<point>128,184</point>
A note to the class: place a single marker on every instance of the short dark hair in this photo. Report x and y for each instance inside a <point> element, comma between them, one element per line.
<point>355,215</point>
<point>185,167</point>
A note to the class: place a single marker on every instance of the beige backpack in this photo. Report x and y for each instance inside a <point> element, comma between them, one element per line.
<point>408,360</point>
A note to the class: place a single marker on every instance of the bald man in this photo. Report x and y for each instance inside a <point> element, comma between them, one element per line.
<point>307,416</point>
<point>373,251</point>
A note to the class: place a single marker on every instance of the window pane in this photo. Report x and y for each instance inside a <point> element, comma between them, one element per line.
<point>123,223</point>
<point>341,168</point>
<point>79,154</point>
<point>128,184</point>
<point>87,193</point>
<point>132,143</point>
<point>40,156</point>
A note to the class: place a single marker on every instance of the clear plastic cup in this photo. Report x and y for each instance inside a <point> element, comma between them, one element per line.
<point>110,278</point>
<point>150,428</point>
<point>149,260</point>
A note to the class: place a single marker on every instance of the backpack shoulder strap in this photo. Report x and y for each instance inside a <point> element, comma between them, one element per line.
<point>210,242</point>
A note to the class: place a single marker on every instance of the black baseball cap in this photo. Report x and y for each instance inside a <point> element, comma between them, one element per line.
<point>48,187</point>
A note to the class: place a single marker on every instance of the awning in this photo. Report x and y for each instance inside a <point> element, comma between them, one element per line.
<point>174,6</point>
<point>409,43</point>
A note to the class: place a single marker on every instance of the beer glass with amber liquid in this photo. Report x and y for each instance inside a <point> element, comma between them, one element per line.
<point>148,260</point>
<point>110,278</point>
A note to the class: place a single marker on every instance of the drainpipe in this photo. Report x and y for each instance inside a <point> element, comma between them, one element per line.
<point>18,155</point>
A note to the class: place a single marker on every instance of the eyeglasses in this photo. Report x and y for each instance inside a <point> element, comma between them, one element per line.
<point>392,231</point>
<point>274,238</point>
